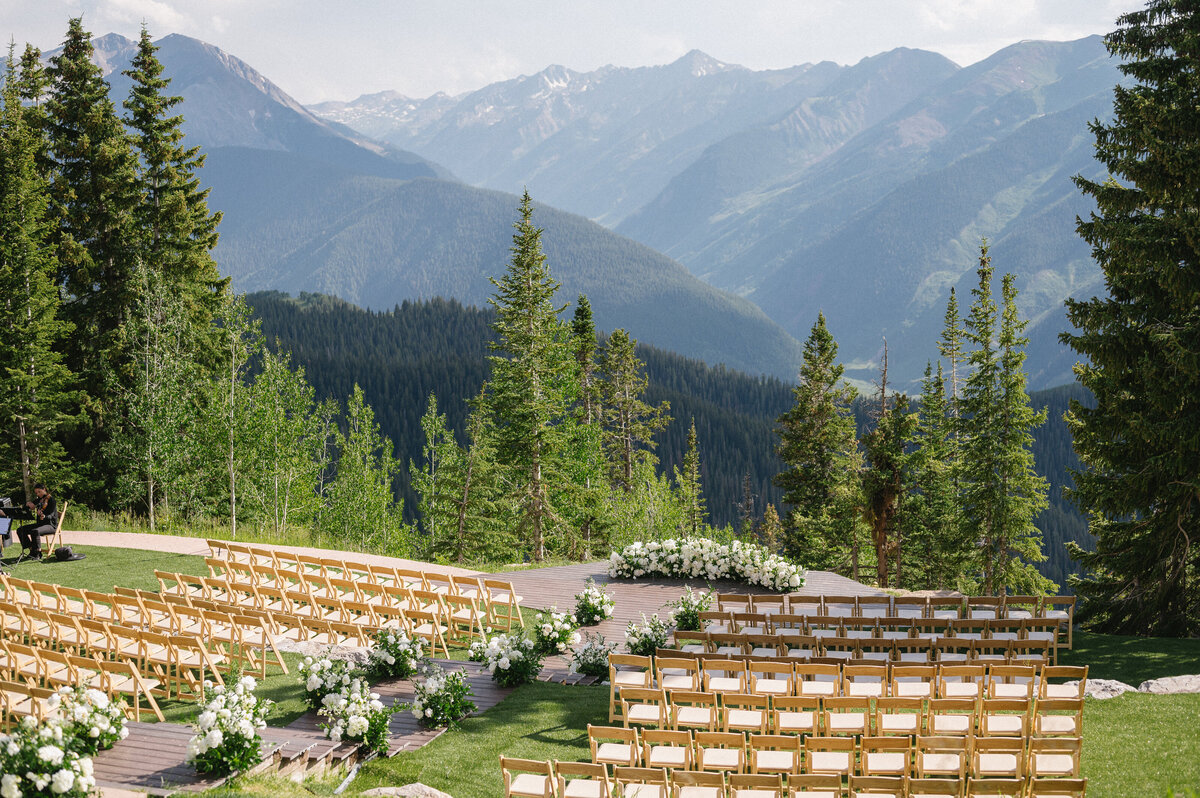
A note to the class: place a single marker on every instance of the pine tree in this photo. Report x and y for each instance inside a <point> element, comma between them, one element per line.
<point>885,483</point>
<point>95,195</point>
<point>936,549</point>
<point>629,422</point>
<point>583,337</point>
<point>533,384</point>
<point>482,523</point>
<point>951,347</point>
<point>746,515</point>
<point>37,400</point>
<point>820,454</point>
<point>429,478</point>
<point>173,216</point>
<point>1001,493</point>
<point>770,531</point>
<point>1138,444</point>
<point>690,487</point>
<point>1018,541</point>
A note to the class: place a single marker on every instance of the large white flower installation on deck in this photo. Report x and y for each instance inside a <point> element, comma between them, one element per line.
<point>702,558</point>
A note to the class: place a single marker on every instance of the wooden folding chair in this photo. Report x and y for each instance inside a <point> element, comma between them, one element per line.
<point>745,712</point>
<point>526,778</point>
<point>644,707</point>
<point>796,715</point>
<point>1054,757</point>
<point>634,782</point>
<point>503,604</point>
<point>1058,717</point>
<point>829,755</point>
<point>723,752</point>
<point>614,745</point>
<point>756,785</point>
<point>937,788</point>
<point>815,785</point>
<point>697,784</point>
<point>865,681</point>
<point>995,788</point>
<point>846,715</point>
<point>998,758</point>
<point>666,748</point>
<point>1057,788</point>
<point>55,539</point>
<point>774,753</point>
<point>694,710</point>
<point>582,780</point>
<point>121,677</point>
<point>677,673</point>
<point>466,620</point>
<point>430,627</point>
<point>878,787</point>
<point>895,715</point>
<point>817,679</point>
<point>626,670</point>
<point>951,716</point>
<point>1061,609</point>
<point>945,757</point>
<point>1071,673</point>
<point>885,756</point>
<point>961,681</point>
<point>723,675</point>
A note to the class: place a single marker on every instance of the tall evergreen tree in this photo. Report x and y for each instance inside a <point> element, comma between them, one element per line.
<point>950,346</point>
<point>885,481</point>
<point>937,550</point>
<point>629,422</point>
<point>175,224</point>
<point>583,338</point>
<point>690,487</point>
<point>820,454</point>
<point>1140,485</point>
<point>36,401</point>
<point>533,384</point>
<point>95,195</point>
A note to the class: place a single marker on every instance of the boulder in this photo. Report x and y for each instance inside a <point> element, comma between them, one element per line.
<point>417,790</point>
<point>1105,688</point>
<point>1170,685</point>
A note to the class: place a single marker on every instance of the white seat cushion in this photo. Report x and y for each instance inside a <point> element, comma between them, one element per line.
<point>1062,691</point>
<point>773,686</point>
<point>724,684</point>
<point>846,721</point>
<point>753,793</point>
<point>1007,725</point>
<point>677,682</point>
<point>667,756</point>
<point>644,791</point>
<point>631,679</point>
<point>744,718</point>
<point>615,752</point>
<point>818,688</point>
<point>998,764</point>
<point>694,716</point>
<point>950,724</point>
<point>1011,690</point>
<point>886,762</point>
<point>1053,764</point>
<point>961,689</point>
<point>908,722</point>
<point>1057,724</point>
<point>860,689</point>
<point>530,784</point>
<point>941,762</point>
<point>720,758</point>
<point>795,721</point>
<point>644,713</point>
<point>829,762</point>
<point>914,689</point>
<point>584,788</point>
<point>700,792</point>
<point>776,761</point>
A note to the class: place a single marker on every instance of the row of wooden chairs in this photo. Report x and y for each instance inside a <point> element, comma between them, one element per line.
<point>525,778</point>
<point>235,635</point>
<point>431,616</point>
<point>851,715</point>
<point>497,597</point>
<point>911,649</point>
<point>892,627</point>
<point>25,668</point>
<point>775,677</point>
<point>947,757</point>
<point>179,663</point>
<point>1061,607</point>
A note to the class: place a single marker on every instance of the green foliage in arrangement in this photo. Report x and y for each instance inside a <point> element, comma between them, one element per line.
<point>1140,481</point>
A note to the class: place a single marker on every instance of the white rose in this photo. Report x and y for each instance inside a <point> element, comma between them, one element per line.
<point>63,781</point>
<point>8,786</point>
<point>51,754</point>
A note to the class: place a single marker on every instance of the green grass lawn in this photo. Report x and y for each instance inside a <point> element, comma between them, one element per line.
<point>1132,660</point>
<point>106,567</point>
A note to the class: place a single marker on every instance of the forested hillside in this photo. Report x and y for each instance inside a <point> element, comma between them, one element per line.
<point>399,357</point>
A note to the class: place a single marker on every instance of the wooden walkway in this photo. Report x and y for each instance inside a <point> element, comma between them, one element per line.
<point>542,588</point>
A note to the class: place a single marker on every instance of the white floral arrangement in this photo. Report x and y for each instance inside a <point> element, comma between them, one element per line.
<point>554,632</point>
<point>323,675</point>
<point>441,698</point>
<point>702,558</point>
<point>395,655</point>
<point>42,760</point>
<point>354,713</point>
<point>94,720</point>
<point>591,658</point>
<point>593,605</point>
<point>510,659</point>
<point>226,738</point>
<point>685,610</point>
<point>647,637</point>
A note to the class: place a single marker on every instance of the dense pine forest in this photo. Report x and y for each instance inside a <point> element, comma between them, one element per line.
<point>399,357</point>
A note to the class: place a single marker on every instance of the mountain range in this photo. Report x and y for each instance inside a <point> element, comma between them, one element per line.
<point>311,205</point>
<point>861,191</point>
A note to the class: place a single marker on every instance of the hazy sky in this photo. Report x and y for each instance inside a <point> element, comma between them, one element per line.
<point>338,49</point>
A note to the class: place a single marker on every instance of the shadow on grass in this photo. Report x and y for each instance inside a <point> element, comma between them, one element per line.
<point>1132,660</point>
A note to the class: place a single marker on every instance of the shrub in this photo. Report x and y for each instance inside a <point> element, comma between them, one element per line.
<point>395,655</point>
<point>441,699</point>
<point>647,637</point>
<point>226,739</point>
<point>355,713</point>
<point>593,605</point>
<point>323,675</point>
<point>554,632</point>
<point>701,558</point>
<point>87,716</point>
<point>510,659</point>
<point>38,762</point>
<point>685,611</point>
<point>591,658</point>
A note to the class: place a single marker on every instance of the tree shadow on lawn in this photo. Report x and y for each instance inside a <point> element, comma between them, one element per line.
<point>1132,660</point>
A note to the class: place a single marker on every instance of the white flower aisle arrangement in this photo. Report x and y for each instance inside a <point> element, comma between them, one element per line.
<point>354,713</point>
<point>395,655</point>
<point>226,739</point>
<point>511,659</point>
<point>41,761</point>
<point>442,698</point>
<point>593,605</point>
<point>323,675</point>
<point>591,658</point>
<point>644,638</point>
<point>685,610</point>
<point>88,716</point>
<point>702,558</point>
<point>554,632</point>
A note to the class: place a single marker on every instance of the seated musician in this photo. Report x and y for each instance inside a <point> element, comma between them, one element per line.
<point>45,520</point>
